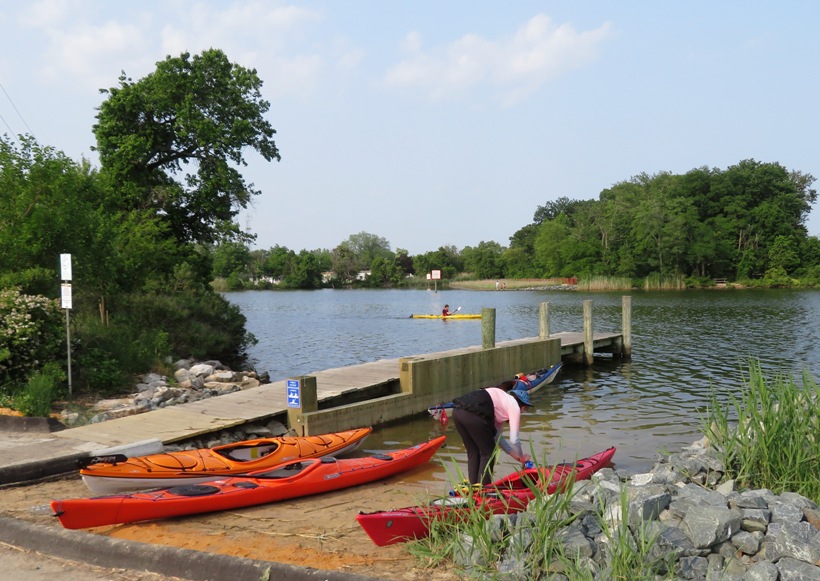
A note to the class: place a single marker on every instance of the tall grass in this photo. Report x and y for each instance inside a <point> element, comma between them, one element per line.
<point>769,434</point>
<point>669,282</point>
<point>40,391</point>
<point>533,540</point>
<point>604,283</point>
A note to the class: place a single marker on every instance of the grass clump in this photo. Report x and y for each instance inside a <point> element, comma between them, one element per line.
<point>768,435</point>
<point>545,541</point>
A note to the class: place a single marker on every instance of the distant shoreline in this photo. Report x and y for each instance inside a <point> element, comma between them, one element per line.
<point>512,284</point>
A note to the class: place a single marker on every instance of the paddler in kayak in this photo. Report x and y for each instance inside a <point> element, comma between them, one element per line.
<point>480,417</point>
<point>445,312</point>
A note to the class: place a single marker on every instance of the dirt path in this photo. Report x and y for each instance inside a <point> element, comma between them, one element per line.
<point>318,531</point>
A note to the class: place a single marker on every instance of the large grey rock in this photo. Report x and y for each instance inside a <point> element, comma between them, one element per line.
<point>761,571</point>
<point>795,540</point>
<point>794,570</point>
<point>711,524</point>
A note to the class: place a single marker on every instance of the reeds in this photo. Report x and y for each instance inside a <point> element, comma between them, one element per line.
<point>535,542</point>
<point>768,434</point>
<point>604,283</point>
<point>668,282</point>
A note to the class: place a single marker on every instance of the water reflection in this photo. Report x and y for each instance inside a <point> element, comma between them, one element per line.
<point>684,345</point>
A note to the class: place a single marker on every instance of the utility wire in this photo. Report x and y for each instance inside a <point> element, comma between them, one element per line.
<point>18,114</point>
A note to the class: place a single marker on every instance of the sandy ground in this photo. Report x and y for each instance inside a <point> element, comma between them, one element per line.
<point>317,531</point>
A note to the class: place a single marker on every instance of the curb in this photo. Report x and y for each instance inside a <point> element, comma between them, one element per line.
<point>24,472</point>
<point>186,563</point>
<point>24,424</point>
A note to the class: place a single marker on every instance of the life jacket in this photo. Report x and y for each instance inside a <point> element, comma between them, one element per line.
<point>477,402</point>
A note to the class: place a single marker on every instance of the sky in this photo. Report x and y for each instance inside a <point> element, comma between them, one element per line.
<point>432,123</point>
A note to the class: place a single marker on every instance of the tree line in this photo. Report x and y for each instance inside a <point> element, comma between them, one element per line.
<point>745,223</point>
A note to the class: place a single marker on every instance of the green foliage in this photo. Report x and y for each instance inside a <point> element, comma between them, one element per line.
<point>199,110</point>
<point>768,434</point>
<point>31,333</point>
<point>39,392</point>
<point>736,223</point>
<point>202,325</point>
<point>230,258</point>
<point>485,260</point>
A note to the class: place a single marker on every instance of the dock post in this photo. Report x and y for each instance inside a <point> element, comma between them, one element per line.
<point>487,328</point>
<point>588,345</point>
<point>544,320</point>
<point>302,398</point>
<point>626,326</point>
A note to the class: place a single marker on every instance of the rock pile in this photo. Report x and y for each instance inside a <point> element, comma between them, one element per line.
<point>192,382</point>
<point>703,529</point>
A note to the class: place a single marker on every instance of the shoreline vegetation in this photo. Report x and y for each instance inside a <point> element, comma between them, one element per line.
<point>584,283</point>
<point>757,459</point>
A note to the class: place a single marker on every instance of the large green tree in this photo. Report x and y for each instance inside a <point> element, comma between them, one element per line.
<point>171,143</point>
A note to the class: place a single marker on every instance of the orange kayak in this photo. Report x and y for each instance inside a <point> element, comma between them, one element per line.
<point>117,473</point>
<point>289,480</point>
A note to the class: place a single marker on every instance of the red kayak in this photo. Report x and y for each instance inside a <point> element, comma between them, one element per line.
<point>288,480</point>
<point>507,495</point>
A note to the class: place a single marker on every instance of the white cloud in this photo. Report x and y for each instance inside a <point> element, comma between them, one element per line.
<point>513,66</point>
<point>86,45</point>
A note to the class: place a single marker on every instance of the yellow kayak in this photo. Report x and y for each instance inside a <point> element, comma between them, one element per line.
<point>456,316</point>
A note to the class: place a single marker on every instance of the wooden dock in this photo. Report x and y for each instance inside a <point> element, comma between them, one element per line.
<point>260,404</point>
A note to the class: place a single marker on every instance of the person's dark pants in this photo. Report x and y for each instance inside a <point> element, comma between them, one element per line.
<point>478,435</point>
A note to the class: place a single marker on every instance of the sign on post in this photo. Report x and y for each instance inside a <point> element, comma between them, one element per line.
<point>65,295</point>
<point>294,394</point>
<point>65,301</point>
<point>65,267</point>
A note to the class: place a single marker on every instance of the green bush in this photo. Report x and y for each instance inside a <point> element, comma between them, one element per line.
<point>202,325</point>
<point>39,392</point>
<point>32,333</point>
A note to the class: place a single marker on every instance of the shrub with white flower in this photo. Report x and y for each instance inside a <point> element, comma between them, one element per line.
<point>31,334</point>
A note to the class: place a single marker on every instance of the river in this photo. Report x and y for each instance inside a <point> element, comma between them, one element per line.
<point>685,344</point>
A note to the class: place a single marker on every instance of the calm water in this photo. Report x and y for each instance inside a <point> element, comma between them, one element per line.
<point>684,344</point>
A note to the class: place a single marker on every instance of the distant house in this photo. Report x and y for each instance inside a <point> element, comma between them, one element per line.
<point>363,275</point>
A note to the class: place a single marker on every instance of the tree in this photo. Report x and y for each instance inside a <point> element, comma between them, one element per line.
<point>368,247</point>
<point>306,272</point>
<point>231,258</point>
<point>549,244</point>
<point>784,254</point>
<point>484,261</point>
<point>447,259</point>
<point>169,143</point>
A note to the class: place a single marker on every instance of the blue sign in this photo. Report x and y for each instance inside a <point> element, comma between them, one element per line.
<point>294,399</point>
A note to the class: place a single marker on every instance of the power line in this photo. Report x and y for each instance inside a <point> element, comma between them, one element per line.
<point>18,114</point>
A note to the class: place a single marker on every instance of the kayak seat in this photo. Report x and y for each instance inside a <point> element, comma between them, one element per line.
<point>247,453</point>
<point>246,484</point>
<point>193,490</point>
<point>327,459</point>
<point>285,471</point>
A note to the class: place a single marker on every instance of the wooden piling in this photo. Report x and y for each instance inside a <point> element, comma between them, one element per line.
<point>308,401</point>
<point>544,320</point>
<point>588,344</point>
<point>488,328</point>
<point>626,326</point>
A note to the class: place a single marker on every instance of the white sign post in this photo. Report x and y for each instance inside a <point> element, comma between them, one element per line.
<point>65,299</point>
<point>436,276</point>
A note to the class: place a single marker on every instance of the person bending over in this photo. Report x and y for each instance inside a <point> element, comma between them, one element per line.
<point>480,417</point>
